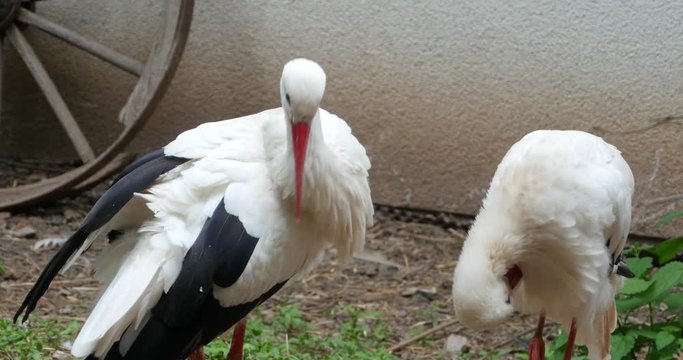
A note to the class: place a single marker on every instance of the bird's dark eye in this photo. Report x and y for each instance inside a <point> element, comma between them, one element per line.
<point>287,98</point>
<point>513,276</point>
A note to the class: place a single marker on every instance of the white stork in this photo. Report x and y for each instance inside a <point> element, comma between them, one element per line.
<point>548,240</point>
<point>216,222</point>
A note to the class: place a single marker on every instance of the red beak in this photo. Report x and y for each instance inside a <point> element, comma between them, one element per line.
<point>300,133</point>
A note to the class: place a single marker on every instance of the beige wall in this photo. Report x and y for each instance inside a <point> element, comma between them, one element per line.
<point>437,90</point>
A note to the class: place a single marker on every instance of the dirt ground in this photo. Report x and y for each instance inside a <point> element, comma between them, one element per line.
<point>406,276</point>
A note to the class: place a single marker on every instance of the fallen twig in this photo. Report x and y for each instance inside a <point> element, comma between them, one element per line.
<point>457,233</point>
<point>518,335</point>
<point>415,338</point>
<point>440,240</point>
<point>376,258</point>
<point>665,199</point>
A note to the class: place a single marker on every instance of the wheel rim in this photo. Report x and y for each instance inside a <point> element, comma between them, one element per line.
<point>154,77</point>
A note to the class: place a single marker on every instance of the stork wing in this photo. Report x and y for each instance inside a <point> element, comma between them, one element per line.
<point>135,178</point>
<point>355,165</point>
<point>189,315</point>
<point>160,295</point>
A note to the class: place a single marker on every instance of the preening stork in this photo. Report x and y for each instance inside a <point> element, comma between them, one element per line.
<point>216,222</point>
<point>548,240</point>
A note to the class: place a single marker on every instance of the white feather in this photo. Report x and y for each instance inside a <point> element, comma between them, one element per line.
<point>247,162</point>
<point>555,199</point>
<point>244,161</point>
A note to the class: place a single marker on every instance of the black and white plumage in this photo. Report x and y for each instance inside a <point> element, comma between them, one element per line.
<point>548,239</point>
<point>217,222</point>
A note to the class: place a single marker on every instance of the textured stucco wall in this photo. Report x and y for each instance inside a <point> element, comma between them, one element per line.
<point>436,90</point>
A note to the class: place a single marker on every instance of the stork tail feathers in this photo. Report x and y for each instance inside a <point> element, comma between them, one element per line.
<point>49,273</point>
<point>136,177</point>
<point>603,326</point>
<point>126,300</point>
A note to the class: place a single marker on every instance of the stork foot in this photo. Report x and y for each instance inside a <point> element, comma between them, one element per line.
<point>237,344</point>
<point>197,354</point>
<point>570,341</point>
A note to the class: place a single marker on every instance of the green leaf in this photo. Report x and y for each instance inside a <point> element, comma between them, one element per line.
<point>216,349</point>
<point>632,302</point>
<point>666,278</point>
<point>643,332</point>
<point>664,339</point>
<point>70,329</point>
<point>554,349</point>
<point>671,328</point>
<point>635,286</point>
<point>639,266</point>
<point>668,249</point>
<point>674,301</point>
<point>668,218</point>
<point>622,346</point>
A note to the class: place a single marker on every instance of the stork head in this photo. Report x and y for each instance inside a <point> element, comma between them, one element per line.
<point>301,88</point>
<point>483,282</point>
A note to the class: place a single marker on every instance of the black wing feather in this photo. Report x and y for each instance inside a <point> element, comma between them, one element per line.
<point>189,316</point>
<point>112,201</point>
<point>158,340</point>
<point>219,255</point>
<point>139,162</point>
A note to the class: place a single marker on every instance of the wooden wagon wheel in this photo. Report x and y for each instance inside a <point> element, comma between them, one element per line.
<point>154,77</point>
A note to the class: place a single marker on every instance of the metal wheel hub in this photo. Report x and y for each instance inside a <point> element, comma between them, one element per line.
<point>9,11</point>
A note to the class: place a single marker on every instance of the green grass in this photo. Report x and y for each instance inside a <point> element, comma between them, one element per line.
<point>358,334</point>
<point>34,342</point>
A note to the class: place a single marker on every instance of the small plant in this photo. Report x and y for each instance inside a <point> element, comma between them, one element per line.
<point>288,336</point>
<point>2,268</point>
<point>653,291</point>
<point>34,342</point>
<point>430,314</point>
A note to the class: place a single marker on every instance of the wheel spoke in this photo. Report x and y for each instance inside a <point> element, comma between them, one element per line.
<point>39,73</point>
<point>110,55</point>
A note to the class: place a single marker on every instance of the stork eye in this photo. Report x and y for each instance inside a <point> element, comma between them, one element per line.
<point>513,276</point>
<point>287,98</point>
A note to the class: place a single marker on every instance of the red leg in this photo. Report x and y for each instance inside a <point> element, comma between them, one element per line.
<point>570,341</point>
<point>536,345</point>
<point>197,354</point>
<point>237,340</point>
